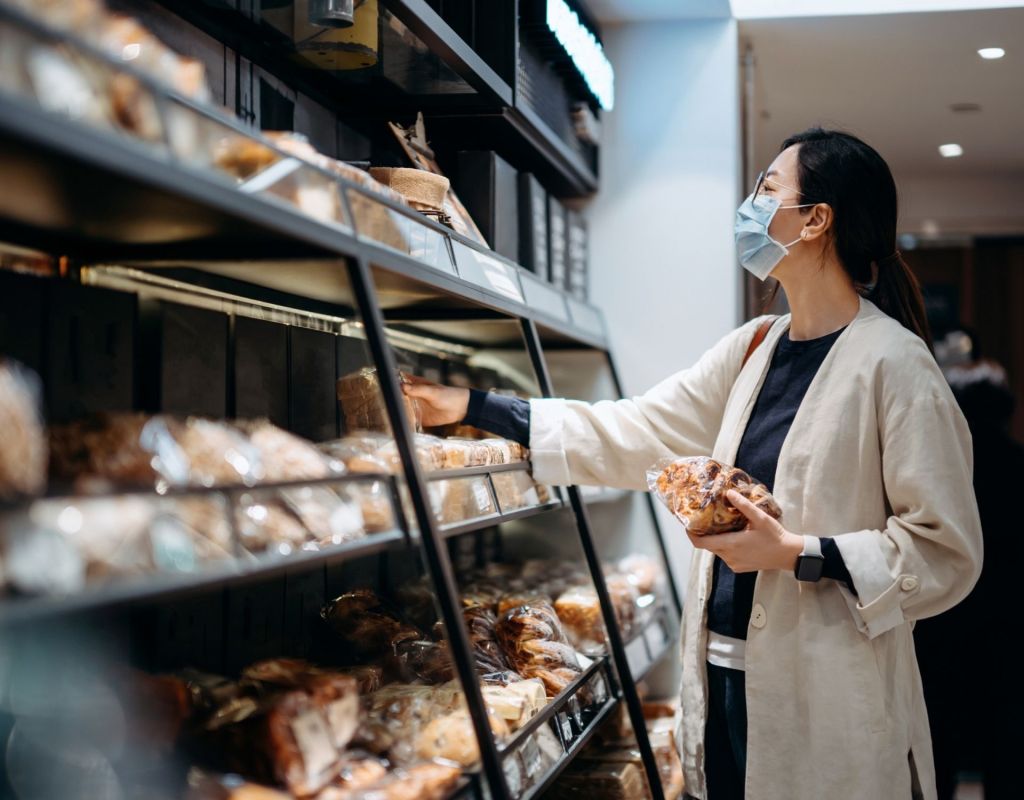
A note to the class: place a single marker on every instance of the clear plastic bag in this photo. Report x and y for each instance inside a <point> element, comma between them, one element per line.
<point>694,489</point>
<point>23,456</point>
<point>536,646</point>
<point>362,403</point>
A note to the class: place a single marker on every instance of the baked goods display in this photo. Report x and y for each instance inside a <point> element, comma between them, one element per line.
<point>362,403</point>
<point>536,646</point>
<point>694,489</point>
<point>24,453</point>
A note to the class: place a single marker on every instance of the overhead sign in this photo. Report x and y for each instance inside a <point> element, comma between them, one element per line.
<point>584,50</point>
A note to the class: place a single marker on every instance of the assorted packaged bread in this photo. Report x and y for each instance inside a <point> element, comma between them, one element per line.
<point>72,81</point>
<point>102,527</point>
<point>695,489</point>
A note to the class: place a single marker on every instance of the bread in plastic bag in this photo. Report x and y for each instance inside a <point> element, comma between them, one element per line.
<point>536,646</point>
<point>362,403</point>
<point>23,456</point>
<point>694,489</point>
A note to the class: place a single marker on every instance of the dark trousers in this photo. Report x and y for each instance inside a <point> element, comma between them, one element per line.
<point>725,734</point>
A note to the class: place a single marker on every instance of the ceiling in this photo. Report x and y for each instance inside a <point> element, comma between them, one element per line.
<point>891,80</point>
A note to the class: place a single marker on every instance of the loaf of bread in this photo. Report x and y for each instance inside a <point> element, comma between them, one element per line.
<point>579,610</point>
<point>367,626</point>
<point>362,403</point>
<point>424,191</point>
<point>536,646</point>
<point>644,572</point>
<point>694,489</point>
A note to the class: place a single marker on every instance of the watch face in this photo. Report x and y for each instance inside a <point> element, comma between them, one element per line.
<point>809,568</point>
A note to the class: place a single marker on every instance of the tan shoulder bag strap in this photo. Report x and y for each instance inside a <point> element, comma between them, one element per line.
<point>762,331</point>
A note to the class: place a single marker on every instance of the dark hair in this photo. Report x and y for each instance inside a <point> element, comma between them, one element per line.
<point>850,176</point>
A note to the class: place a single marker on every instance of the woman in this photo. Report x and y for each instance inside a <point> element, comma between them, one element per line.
<point>799,673</point>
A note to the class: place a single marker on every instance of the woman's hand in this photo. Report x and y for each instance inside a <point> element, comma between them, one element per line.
<point>439,405</point>
<point>763,544</point>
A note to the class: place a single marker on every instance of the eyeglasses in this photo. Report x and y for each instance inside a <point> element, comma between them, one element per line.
<point>761,180</point>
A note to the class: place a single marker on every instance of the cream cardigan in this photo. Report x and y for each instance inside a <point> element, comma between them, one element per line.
<point>878,457</point>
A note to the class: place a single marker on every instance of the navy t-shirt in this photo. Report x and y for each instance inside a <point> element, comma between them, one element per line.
<point>794,365</point>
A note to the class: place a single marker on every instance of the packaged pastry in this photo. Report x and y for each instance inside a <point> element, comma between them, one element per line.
<point>624,597</point>
<point>142,450</point>
<point>515,490</point>
<point>516,702</point>
<point>286,457</point>
<point>528,597</point>
<point>462,499</point>
<point>536,646</point>
<point>642,571</point>
<point>424,659</point>
<point>266,525</point>
<point>23,456</point>
<point>294,738</point>
<point>359,773</point>
<point>482,624</point>
<point>371,629</point>
<point>694,489</point>
<point>362,403</point>
<point>579,610</point>
<point>452,737</point>
<point>430,780</point>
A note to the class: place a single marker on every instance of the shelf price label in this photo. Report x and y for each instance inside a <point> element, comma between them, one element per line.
<point>488,272</point>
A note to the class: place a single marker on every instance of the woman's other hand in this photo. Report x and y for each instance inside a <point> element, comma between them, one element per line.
<point>763,544</point>
<point>439,405</point>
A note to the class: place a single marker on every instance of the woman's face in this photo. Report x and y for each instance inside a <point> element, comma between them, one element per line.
<point>782,181</point>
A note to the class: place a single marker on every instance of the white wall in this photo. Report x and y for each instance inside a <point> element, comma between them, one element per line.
<point>662,258</point>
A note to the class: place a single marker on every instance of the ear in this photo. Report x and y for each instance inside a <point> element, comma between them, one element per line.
<point>817,223</point>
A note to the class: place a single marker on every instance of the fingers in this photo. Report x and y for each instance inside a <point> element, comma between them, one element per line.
<point>409,378</point>
<point>425,390</point>
<point>746,508</point>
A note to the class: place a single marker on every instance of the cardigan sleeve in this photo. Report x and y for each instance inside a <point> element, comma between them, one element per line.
<point>613,443</point>
<point>928,557</point>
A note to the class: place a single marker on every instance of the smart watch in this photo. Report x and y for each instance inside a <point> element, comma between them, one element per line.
<point>810,563</point>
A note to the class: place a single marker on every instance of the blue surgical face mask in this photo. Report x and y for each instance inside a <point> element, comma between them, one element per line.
<point>758,252</point>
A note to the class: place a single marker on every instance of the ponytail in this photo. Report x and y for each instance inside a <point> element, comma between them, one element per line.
<point>897,292</point>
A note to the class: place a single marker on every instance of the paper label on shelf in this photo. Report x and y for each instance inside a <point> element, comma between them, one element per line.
<point>314,741</point>
<point>488,272</point>
<point>584,661</point>
<point>565,726</point>
<point>482,497</point>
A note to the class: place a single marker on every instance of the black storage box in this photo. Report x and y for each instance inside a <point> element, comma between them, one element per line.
<point>486,185</point>
<point>533,225</point>
<point>578,252</point>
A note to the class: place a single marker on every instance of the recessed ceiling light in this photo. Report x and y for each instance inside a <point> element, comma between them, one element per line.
<point>991,53</point>
<point>951,150</point>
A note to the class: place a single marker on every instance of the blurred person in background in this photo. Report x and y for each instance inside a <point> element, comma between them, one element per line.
<point>968,685</point>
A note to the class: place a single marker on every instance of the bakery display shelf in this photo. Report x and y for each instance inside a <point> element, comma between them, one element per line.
<point>524,137</point>
<point>20,610</point>
<point>100,193</point>
<point>471,526</point>
<point>648,645</point>
<point>241,566</point>
<point>556,708</point>
<point>420,59</point>
<point>573,750</point>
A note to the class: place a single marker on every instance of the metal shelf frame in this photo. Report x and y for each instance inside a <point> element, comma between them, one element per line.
<point>28,132</point>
